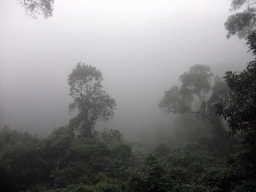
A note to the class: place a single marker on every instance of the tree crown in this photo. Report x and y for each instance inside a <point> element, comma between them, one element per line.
<point>90,99</point>
<point>242,21</point>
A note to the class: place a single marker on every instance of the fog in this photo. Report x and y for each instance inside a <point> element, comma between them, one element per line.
<point>141,48</point>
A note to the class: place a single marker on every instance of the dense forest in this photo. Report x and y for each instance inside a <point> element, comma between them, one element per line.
<point>201,157</point>
<point>213,148</point>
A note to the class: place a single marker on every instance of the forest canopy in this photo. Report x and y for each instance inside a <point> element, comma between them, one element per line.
<point>209,146</point>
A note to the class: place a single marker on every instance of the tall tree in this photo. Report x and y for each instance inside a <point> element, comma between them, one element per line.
<point>197,81</point>
<point>242,21</point>
<point>239,109</point>
<point>92,102</point>
<point>239,106</point>
<point>196,86</point>
<point>38,7</point>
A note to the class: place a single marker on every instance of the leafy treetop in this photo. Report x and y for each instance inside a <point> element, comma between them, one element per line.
<point>197,88</point>
<point>239,106</point>
<point>242,21</point>
<point>197,81</point>
<point>90,99</point>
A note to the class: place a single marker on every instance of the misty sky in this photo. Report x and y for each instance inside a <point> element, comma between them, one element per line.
<point>141,47</point>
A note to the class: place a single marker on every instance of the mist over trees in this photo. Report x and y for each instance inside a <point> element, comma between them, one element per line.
<point>199,156</point>
<point>66,161</point>
<point>197,86</point>
<point>105,161</point>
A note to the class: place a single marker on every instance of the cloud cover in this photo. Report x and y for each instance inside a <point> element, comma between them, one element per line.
<point>141,47</point>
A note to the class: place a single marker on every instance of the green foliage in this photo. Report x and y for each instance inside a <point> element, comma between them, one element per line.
<point>91,101</point>
<point>55,147</point>
<point>139,153</point>
<point>246,185</point>
<point>63,162</point>
<point>86,158</point>
<point>240,105</point>
<point>111,137</point>
<point>60,160</point>
<point>57,143</point>
<point>242,21</point>
<point>195,164</point>
<point>4,176</point>
<point>105,185</point>
<point>238,108</point>
<point>20,159</point>
<point>251,42</point>
<point>161,150</point>
<point>163,176</point>
<point>152,177</point>
<point>194,158</point>
<point>230,180</point>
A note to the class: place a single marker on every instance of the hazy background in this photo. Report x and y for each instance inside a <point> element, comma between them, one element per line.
<point>141,47</point>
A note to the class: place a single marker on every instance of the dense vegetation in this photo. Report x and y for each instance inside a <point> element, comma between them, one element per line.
<point>200,156</point>
<point>64,161</point>
<point>79,158</point>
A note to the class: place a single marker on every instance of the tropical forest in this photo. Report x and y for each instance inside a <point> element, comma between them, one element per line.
<point>211,147</point>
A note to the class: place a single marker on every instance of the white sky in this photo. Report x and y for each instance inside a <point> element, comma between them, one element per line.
<point>140,46</point>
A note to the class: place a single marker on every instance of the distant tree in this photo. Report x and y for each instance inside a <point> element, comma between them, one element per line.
<point>92,102</point>
<point>242,21</point>
<point>196,83</point>
<point>38,7</point>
